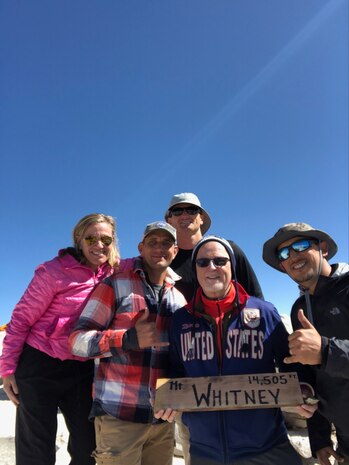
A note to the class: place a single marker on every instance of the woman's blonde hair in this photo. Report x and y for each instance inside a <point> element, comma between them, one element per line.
<point>86,222</point>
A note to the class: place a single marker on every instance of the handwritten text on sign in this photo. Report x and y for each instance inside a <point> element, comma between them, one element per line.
<point>263,390</point>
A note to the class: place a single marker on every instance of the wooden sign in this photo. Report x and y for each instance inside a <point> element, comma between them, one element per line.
<point>262,390</point>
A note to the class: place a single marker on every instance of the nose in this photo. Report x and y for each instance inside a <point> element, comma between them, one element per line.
<point>293,252</point>
<point>212,265</point>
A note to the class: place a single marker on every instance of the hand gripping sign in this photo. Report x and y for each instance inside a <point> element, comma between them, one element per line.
<point>262,390</point>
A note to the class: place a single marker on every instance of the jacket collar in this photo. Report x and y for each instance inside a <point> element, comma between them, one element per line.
<point>324,281</point>
<point>73,260</point>
<point>171,276</point>
<point>203,305</point>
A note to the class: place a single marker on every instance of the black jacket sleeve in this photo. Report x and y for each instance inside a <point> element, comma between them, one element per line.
<point>319,433</point>
<point>245,273</point>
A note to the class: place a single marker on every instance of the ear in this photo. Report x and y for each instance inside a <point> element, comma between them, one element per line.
<point>77,242</point>
<point>140,247</point>
<point>175,251</point>
<point>281,265</point>
<point>201,219</point>
<point>324,248</point>
<point>169,220</point>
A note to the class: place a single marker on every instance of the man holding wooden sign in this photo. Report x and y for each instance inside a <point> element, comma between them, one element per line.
<point>226,332</point>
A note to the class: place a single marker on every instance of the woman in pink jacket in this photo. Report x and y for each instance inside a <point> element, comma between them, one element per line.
<point>39,372</point>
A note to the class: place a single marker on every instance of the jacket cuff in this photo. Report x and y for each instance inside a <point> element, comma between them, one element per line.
<point>325,342</point>
<point>130,340</point>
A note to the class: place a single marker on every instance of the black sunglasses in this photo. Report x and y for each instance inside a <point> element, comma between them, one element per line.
<point>217,261</point>
<point>298,246</point>
<point>178,211</point>
<point>92,240</point>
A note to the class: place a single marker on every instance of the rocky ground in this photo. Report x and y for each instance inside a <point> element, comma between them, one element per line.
<point>7,426</point>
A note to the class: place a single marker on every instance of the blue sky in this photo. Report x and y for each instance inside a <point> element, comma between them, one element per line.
<point>114,106</point>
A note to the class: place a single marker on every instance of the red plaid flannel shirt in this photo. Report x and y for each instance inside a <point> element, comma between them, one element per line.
<point>124,380</point>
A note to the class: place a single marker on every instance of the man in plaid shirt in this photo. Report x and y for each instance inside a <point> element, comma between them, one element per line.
<point>124,326</point>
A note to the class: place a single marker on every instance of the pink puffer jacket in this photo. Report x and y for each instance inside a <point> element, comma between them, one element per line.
<point>49,309</point>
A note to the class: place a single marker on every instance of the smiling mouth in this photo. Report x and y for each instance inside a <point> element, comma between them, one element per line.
<point>299,265</point>
<point>185,222</point>
<point>97,254</point>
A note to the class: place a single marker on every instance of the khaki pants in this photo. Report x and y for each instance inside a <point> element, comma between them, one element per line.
<point>125,443</point>
<point>183,435</point>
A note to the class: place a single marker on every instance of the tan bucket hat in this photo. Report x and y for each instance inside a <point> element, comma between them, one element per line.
<point>290,230</point>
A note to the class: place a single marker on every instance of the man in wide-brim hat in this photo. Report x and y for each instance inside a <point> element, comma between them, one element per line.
<point>321,340</point>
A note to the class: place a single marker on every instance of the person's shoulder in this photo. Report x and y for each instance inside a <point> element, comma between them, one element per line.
<point>339,269</point>
<point>336,281</point>
<point>127,268</point>
<point>266,309</point>
<point>49,270</point>
<point>185,252</point>
<point>259,303</point>
<point>54,263</point>
<point>126,264</point>
<point>342,273</point>
<point>237,250</point>
<point>183,312</point>
<point>182,256</point>
<point>177,297</point>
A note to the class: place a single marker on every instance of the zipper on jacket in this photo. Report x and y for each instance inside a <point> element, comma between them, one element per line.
<point>220,341</point>
<point>225,439</point>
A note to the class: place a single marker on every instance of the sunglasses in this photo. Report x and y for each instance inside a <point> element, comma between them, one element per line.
<point>298,246</point>
<point>92,240</point>
<point>217,261</point>
<point>178,211</point>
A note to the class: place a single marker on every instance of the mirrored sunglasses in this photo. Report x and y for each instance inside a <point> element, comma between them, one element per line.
<point>298,246</point>
<point>92,240</point>
<point>217,261</point>
<point>178,211</point>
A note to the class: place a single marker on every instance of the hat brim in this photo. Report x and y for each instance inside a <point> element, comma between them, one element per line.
<point>270,246</point>
<point>206,220</point>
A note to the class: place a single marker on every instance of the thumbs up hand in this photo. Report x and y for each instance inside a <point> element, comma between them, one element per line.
<point>304,344</point>
<point>147,333</point>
